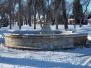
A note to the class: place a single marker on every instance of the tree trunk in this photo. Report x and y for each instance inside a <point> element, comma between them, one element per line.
<point>10,21</point>
<point>40,22</point>
<point>25,20</point>
<point>34,21</point>
<point>56,19</point>
<point>80,22</point>
<point>29,10</point>
<point>64,15</point>
<point>74,23</point>
<point>35,15</point>
<point>0,23</point>
<point>19,21</point>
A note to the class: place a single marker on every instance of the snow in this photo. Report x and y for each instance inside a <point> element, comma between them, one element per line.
<point>89,19</point>
<point>77,58</point>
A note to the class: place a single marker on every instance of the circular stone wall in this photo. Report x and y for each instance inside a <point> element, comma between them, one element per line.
<point>45,41</point>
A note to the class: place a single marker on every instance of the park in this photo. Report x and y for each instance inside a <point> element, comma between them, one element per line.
<point>45,34</point>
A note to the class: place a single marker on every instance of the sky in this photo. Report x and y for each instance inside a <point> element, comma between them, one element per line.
<point>89,7</point>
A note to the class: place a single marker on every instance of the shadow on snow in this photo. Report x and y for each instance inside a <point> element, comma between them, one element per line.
<point>37,63</point>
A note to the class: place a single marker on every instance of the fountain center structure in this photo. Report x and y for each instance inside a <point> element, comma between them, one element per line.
<point>45,39</point>
<point>46,29</point>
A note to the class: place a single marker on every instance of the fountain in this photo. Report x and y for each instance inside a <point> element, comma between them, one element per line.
<point>45,39</point>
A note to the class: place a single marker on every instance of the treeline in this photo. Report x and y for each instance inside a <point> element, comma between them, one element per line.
<point>34,11</point>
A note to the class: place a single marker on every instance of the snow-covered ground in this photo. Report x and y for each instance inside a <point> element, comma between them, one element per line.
<point>77,58</point>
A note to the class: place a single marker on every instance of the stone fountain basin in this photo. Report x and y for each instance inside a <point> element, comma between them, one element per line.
<point>31,40</point>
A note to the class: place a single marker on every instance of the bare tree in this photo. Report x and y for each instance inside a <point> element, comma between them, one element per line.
<point>35,7</point>
<point>85,5</point>
<point>19,21</point>
<point>78,12</point>
<point>29,11</point>
<point>57,11</point>
<point>64,15</point>
<point>10,5</point>
<point>51,10</point>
